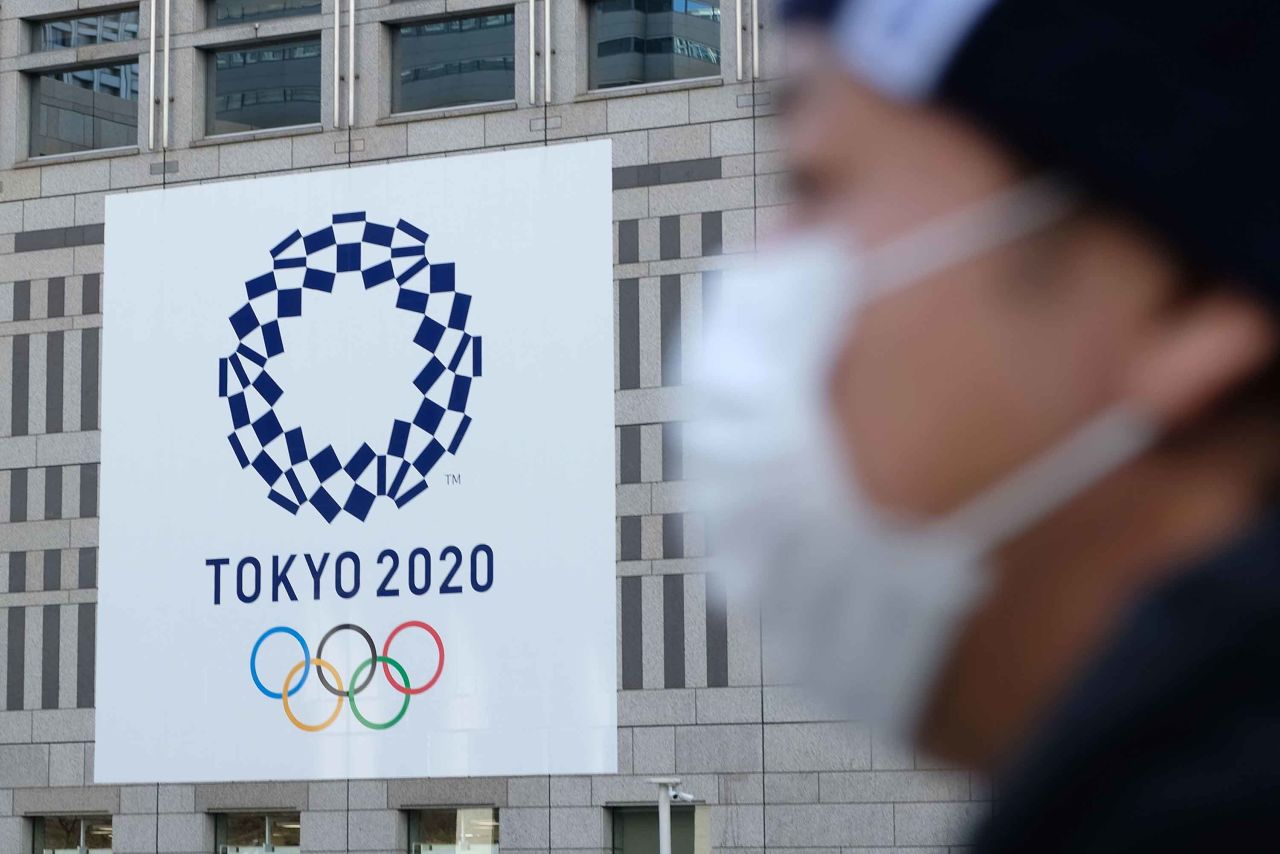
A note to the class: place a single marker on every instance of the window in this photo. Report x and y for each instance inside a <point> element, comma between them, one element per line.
<point>444,63</point>
<point>471,829</point>
<point>81,31</point>
<point>264,86</point>
<point>256,833</point>
<point>649,41</point>
<point>225,12</point>
<point>81,109</point>
<point>70,834</point>
<point>635,830</point>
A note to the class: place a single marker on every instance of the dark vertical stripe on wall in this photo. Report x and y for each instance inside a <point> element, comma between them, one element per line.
<point>16,659</point>
<point>21,300</point>
<point>672,451</point>
<point>669,237</point>
<point>57,297</point>
<point>717,633</point>
<point>88,490</point>
<point>673,630</point>
<point>712,233</point>
<point>86,638</point>
<point>52,569</point>
<point>49,657</point>
<point>18,495</point>
<point>89,379</point>
<point>710,293</point>
<point>53,492</point>
<point>632,634</point>
<point>88,569</point>
<point>631,537</point>
<point>628,241</point>
<point>673,535</point>
<point>90,295</point>
<point>629,333</point>
<point>670,318</point>
<point>17,572</point>
<point>54,348</point>
<point>21,384</point>
<point>629,453</point>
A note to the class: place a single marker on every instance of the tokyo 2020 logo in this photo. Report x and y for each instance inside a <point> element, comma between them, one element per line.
<point>394,465</point>
<point>346,691</point>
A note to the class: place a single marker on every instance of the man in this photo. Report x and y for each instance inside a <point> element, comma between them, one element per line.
<point>1006,470</point>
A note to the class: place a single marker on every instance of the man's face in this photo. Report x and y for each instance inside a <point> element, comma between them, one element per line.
<point>947,385</point>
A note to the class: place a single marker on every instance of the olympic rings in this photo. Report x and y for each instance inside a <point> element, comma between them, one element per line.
<point>404,707</point>
<point>253,661</point>
<point>386,647</point>
<point>373,651</point>
<point>337,709</point>
<point>289,689</point>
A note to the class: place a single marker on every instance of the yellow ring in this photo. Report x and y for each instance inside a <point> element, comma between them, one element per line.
<point>337,710</point>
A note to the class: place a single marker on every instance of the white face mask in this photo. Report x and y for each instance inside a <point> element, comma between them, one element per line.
<point>858,604</point>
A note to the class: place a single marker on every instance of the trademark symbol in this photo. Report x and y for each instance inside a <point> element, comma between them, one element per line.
<point>453,479</point>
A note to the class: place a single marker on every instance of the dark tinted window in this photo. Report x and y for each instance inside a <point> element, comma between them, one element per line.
<point>71,833</point>
<point>117,26</point>
<point>225,12</point>
<point>255,832</point>
<point>635,830</point>
<point>264,86</point>
<point>473,829</point>
<point>84,108</point>
<point>455,61</point>
<point>648,41</point>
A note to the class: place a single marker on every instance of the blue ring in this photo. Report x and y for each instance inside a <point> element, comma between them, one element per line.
<point>253,661</point>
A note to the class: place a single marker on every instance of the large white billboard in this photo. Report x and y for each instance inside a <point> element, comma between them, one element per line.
<point>358,474</point>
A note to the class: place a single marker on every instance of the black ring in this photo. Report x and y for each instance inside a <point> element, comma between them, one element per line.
<point>373,653</point>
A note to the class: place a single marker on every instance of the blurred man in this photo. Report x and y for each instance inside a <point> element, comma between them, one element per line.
<point>994,434</point>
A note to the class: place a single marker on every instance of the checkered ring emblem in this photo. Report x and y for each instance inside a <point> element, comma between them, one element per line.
<point>395,465</point>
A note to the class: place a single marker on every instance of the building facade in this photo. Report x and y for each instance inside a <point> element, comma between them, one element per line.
<point>234,89</point>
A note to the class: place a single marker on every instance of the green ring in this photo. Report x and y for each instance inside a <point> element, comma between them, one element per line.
<point>355,680</point>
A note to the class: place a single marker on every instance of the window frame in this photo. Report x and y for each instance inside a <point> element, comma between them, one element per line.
<point>28,102</point>
<point>412,811</point>
<point>33,63</point>
<point>391,30</point>
<point>586,91</point>
<point>219,818</point>
<point>34,24</point>
<point>700,814</point>
<point>207,17</point>
<point>206,79</point>
<point>36,825</point>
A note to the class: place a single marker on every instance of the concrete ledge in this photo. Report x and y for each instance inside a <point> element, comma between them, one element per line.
<point>216,797</point>
<point>77,799</point>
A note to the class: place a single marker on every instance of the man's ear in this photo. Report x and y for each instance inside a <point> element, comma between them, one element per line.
<point>1199,351</point>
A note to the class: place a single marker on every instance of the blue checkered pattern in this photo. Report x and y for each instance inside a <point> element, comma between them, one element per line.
<point>394,466</point>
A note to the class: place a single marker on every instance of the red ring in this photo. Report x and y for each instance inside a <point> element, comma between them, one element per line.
<point>386,654</point>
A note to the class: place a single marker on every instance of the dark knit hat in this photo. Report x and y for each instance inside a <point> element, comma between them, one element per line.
<point>1162,108</point>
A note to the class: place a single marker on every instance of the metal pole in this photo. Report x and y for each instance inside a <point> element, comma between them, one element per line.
<point>533,58</point>
<point>755,39</point>
<point>151,79</point>
<point>546,51</point>
<point>737,14</point>
<point>164,132</point>
<point>664,818</point>
<point>337,63</point>
<point>351,63</point>
<point>667,787</point>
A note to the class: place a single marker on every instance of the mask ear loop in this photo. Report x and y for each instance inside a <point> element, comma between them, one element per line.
<point>1100,446</point>
<point>1097,448</point>
<point>968,233</point>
